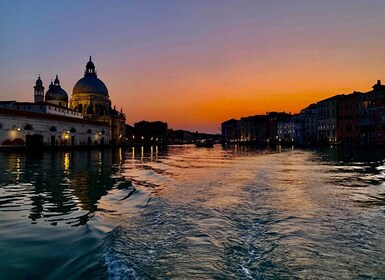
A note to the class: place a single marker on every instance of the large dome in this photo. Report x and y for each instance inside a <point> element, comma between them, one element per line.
<point>55,92</point>
<point>90,84</point>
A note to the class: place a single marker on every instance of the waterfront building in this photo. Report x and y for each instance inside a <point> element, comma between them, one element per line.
<point>155,132</point>
<point>291,131</point>
<point>51,119</point>
<point>258,129</point>
<point>327,120</point>
<point>308,117</point>
<point>366,120</point>
<point>299,129</point>
<point>286,131</point>
<point>253,129</point>
<point>181,136</point>
<point>229,131</point>
<point>272,126</point>
<point>356,118</point>
<point>349,107</point>
<point>372,116</point>
<point>18,127</point>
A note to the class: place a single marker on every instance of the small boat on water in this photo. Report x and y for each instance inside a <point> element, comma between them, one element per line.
<point>204,143</point>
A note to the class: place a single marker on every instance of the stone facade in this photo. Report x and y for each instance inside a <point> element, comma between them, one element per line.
<point>24,128</point>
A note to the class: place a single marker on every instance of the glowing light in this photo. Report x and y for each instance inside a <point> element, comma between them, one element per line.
<point>66,161</point>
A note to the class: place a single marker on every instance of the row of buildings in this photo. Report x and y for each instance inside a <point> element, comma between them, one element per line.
<point>55,120</point>
<point>157,132</point>
<point>355,118</point>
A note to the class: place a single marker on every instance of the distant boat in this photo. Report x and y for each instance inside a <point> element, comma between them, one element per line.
<point>204,143</point>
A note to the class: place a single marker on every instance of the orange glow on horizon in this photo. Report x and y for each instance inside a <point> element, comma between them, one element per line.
<point>193,65</point>
<point>206,99</point>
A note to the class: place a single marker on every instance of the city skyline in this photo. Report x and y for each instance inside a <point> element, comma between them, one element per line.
<point>195,64</point>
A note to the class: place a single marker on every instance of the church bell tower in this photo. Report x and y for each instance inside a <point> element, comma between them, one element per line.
<point>39,91</point>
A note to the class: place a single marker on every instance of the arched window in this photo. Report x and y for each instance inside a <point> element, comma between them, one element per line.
<point>103,132</point>
<point>73,130</point>
<point>89,131</point>
<point>53,129</point>
<point>28,127</point>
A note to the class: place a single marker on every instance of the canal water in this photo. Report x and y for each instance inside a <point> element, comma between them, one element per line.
<point>193,213</point>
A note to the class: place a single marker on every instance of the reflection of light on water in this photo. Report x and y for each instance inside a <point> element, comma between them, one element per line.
<point>66,161</point>
<point>142,153</point>
<point>100,162</point>
<point>17,170</point>
<point>151,153</point>
<point>156,153</point>
<point>133,155</point>
<point>120,156</point>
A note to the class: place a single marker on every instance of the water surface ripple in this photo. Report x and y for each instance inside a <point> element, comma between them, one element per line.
<point>186,213</point>
<point>233,214</point>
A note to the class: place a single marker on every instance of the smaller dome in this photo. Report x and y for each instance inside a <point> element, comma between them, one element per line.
<point>55,92</point>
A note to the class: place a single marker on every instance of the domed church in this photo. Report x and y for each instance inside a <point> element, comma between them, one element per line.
<point>90,98</point>
<point>90,95</point>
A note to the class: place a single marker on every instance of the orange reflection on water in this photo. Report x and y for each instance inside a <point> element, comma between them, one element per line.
<point>66,161</point>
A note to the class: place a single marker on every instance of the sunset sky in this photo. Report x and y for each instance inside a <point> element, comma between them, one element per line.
<point>195,64</point>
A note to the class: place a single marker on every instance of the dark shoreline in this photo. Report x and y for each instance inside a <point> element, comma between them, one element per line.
<point>251,145</point>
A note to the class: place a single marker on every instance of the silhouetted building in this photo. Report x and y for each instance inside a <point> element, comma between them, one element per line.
<point>308,117</point>
<point>253,129</point>
<point>272,127</point>
<point>181,136</point>
<point>155,132</point>
<point>349,107</point>
<point>372,116</point>
<point>341,119</point>
<point>291,131</point>
<point>327,120</point>
<point>229,130</point>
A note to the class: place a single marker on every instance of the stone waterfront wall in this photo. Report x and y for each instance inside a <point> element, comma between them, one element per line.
<point>20,128</point>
